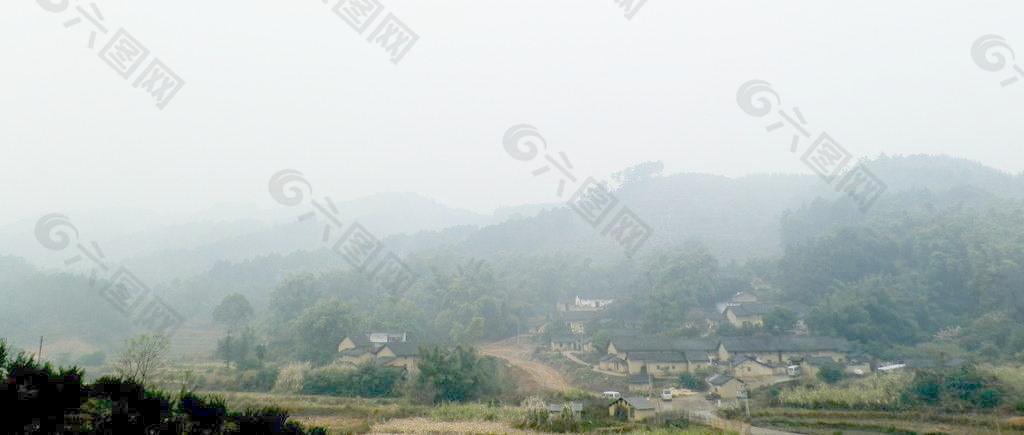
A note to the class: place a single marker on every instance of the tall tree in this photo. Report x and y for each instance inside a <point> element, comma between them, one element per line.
<point>142,356</point>
<point>233,312</point>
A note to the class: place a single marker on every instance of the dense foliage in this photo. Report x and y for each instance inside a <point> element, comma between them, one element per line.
<point>367,380</point>
<point>37,398</point>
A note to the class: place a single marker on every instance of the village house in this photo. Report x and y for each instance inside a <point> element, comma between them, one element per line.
<point>746,315</point>
<point>660,364</point>
<point>399,354</point>
<point>777,350</point>
<point>750,370</point>
<point>612,363</point>
<point>725,386</point>
<point>666,357</point>
<point>631,409</point>
<point>661,357</point>
<point>385,349</point>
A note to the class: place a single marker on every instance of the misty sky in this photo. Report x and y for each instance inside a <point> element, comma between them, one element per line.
<point>275,84</point>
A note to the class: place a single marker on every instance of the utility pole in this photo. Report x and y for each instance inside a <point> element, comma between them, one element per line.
<point>39,356</point>
<point>746,403</point>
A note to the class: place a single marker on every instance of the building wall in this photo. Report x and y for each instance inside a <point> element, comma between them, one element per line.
<point>634,366</point>
<point>666,369</point>
<point>613,366</point>
<point>694,366</point>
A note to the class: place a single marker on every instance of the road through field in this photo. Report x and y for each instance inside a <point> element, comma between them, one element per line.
<point>518,354</point>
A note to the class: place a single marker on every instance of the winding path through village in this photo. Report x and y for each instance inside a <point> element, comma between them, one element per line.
<point>517,353</point>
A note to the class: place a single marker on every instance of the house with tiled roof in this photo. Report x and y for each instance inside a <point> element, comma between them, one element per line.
<point>385,349</point>
<point>632,409</point>
<point>749,369</point>
<point>612,363</point>
<point>746,314</point>
<point>660,364</point>
<point>783,349</point>
<point>725,386</point>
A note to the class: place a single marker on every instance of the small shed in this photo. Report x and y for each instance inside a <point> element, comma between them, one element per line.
<point>631,408</point>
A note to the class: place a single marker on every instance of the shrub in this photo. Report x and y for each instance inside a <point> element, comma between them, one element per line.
<point>693,382</point>
<point>289,379</point>
<point>367,380</point>
<point>831,373</point>
<point>257,379</point>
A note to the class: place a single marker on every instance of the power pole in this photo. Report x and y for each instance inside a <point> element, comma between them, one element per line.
<point>39,356</point>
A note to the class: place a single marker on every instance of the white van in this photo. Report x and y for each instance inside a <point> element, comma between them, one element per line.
<point>666,394</point>
<point>612,395</point>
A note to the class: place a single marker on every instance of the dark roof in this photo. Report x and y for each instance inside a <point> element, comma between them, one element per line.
<point>574,406</point>
<point>785,344</point>
<point>720,380</point>
<point>639,402</point>
<point>743,359</point>
<point>633,343</point>
<point>403,349</point>
<point>354,351</point>
<point>611,358</point>
<point>751,309</point>
<point>657,356</point>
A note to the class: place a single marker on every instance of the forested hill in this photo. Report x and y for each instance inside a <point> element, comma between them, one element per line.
<point>736,218</point>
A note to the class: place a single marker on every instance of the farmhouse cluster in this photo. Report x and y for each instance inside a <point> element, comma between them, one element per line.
<point>729,365</point>
<point>384,348</point>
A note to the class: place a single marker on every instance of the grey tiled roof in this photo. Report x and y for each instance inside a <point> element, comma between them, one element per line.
<point>657,356</point>
<point>639,402</point>
<point>785,344</point>
<point>719,379</point>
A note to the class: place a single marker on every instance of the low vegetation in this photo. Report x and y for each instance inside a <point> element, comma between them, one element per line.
<point>38,398</point>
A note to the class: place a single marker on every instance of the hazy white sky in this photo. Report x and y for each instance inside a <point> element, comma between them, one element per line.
<point>275,84</point>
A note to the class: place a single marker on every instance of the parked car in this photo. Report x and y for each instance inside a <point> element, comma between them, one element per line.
<point>613,395</point>
<point>666,394</point>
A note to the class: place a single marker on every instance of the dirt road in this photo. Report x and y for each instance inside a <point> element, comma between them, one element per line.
<point>519,355</point>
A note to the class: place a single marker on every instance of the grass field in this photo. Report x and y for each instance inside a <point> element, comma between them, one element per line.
<point>341,415</point>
